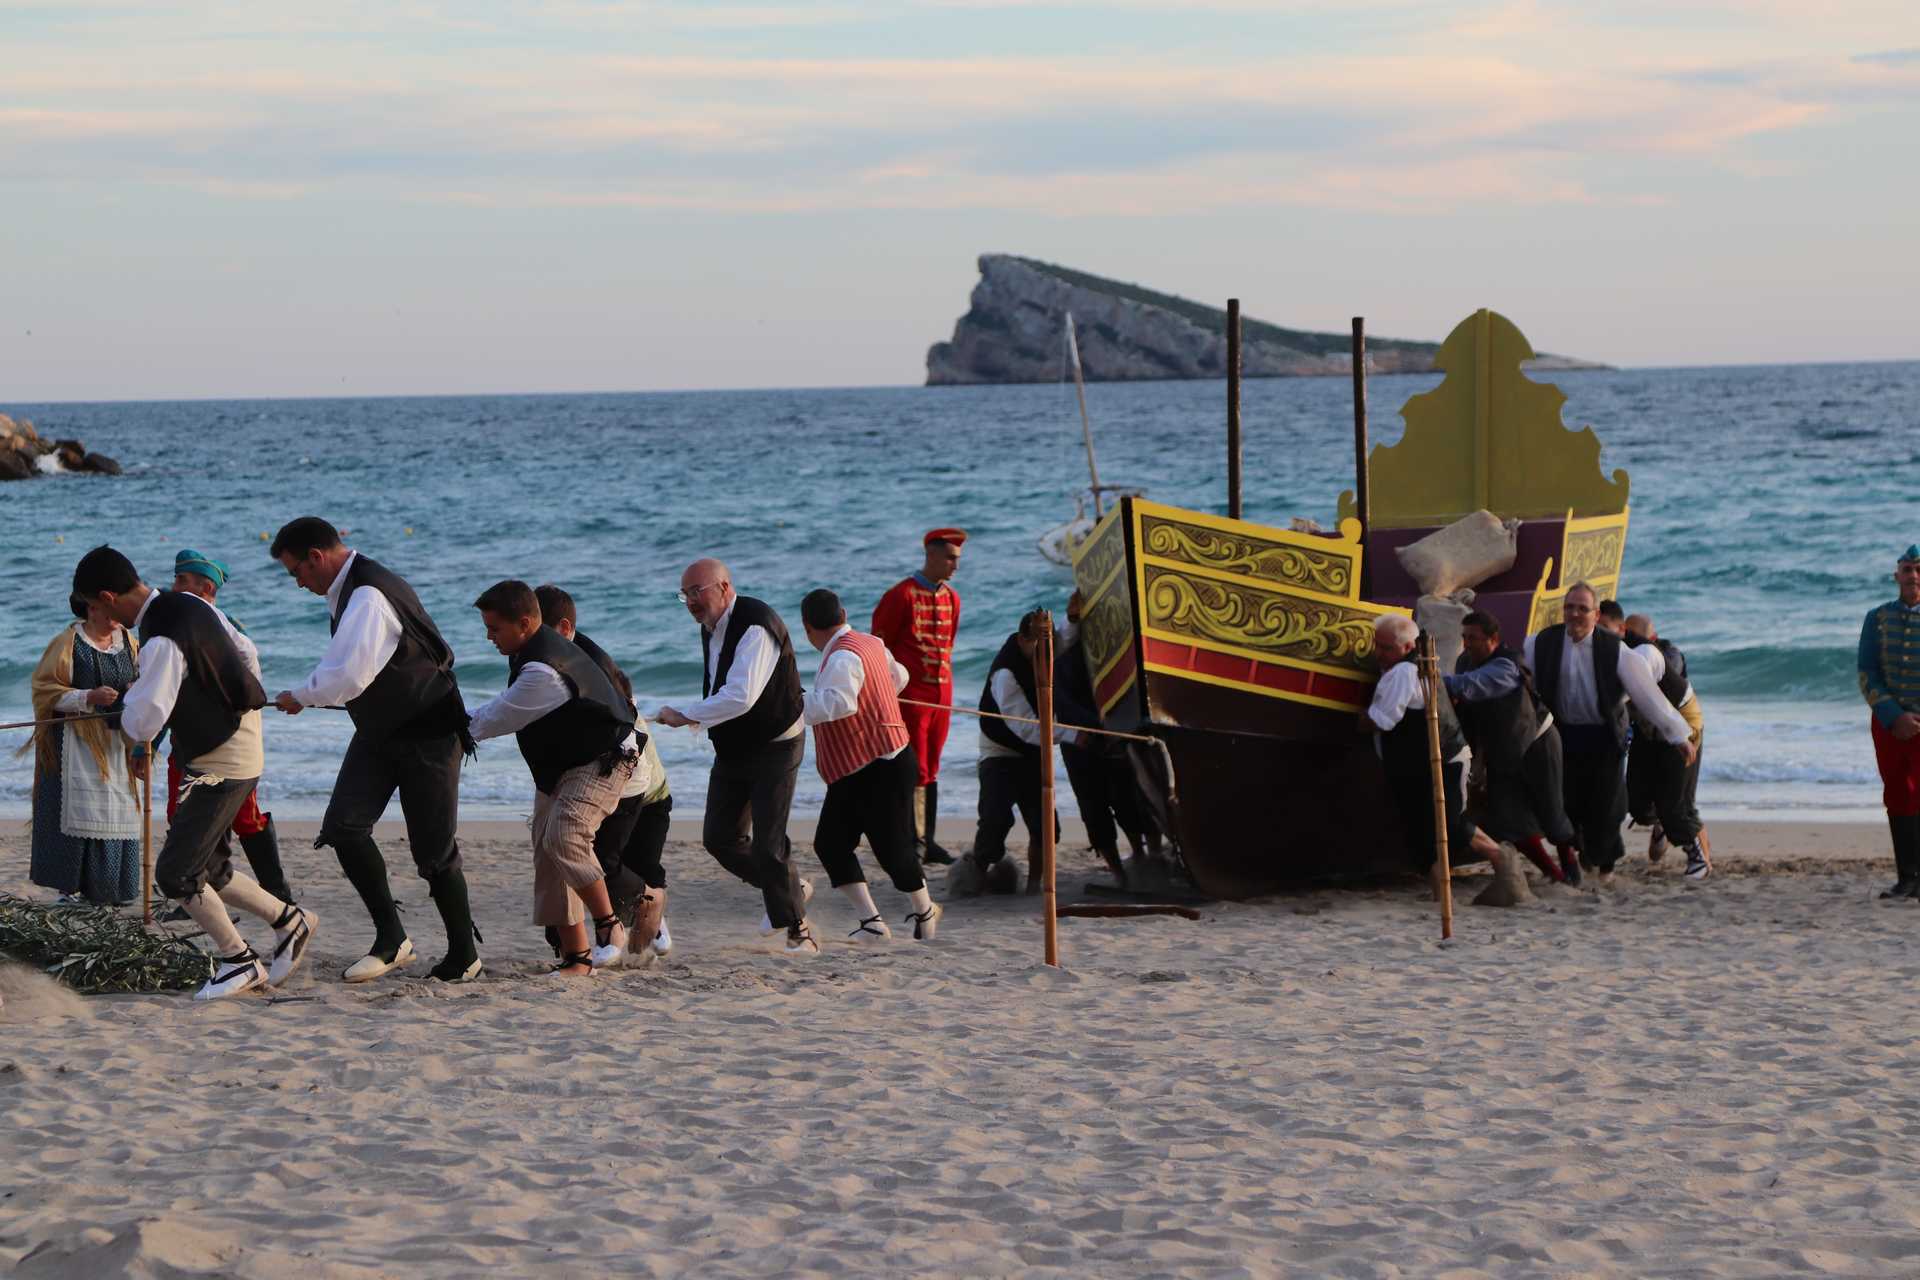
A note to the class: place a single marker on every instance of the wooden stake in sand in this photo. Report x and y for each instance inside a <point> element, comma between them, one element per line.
<point>146,839</point>
<point>1043,688</point>
<point>1432,689</point>
<point>1233,408</point>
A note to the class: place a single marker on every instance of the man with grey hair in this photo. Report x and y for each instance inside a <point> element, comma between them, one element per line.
<point>1587,678</point>
<point>751,709</point>
<point>1398,722</point>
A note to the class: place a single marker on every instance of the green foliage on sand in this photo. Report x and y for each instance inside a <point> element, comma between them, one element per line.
<point>98,950</point>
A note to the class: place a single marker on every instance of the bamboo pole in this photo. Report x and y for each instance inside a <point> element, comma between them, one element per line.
<point>146,840</point>
<point>1430,686</point>
<point>1362,500</point>
<point>1233,408</point>
<point>1043,687</point>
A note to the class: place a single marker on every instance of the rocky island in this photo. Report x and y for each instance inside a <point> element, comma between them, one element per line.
<point>1015,332</point>
<point>24,453</point>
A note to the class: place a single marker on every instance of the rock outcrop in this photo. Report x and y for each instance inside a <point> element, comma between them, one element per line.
<point>1015,332</point>
<point>25,454</point>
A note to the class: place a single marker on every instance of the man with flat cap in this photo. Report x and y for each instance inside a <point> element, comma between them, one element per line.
<point>1889,664</point>
<point>750,707</point>
<point>918,619</point>
<point>203,576</point>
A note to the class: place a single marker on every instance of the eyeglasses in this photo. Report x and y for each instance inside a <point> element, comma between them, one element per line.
<point>688,595</point>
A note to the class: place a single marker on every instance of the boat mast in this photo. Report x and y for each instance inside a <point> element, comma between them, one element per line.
<point>1086,427</point>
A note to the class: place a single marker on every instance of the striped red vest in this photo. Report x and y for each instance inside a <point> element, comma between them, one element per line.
<point>875,728</point>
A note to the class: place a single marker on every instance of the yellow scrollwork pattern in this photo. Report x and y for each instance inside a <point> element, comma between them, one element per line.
<point>1316,570</point>
<point>1238,614</point>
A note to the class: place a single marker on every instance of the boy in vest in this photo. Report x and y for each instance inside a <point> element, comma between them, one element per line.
<point>1514,739</point>
<point>1661,785</point>
<point>1399,724</point>
<point>203,576</point>
<point>575,731</point>
<point>1587,678</point>
<point>194,683</point>
<point>1009,767</point>
<point>389,667</point>
<point>860,744</point>
<point>751,712</point>
<point>1888,661</point>
<point>630,842</point>
<point>918,620</point>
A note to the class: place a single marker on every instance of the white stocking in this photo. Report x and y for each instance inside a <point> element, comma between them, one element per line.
<point>921,899</point>
<point>245,893</point>
<point>862,899</point>
<point>210,913</point>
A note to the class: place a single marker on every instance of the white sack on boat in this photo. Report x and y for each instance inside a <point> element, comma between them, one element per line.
<point>1464,554</point>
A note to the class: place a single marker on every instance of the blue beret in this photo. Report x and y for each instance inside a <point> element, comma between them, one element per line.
<point>207,567</point>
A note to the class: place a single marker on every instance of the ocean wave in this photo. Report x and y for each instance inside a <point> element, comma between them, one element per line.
<point>1820,674</point>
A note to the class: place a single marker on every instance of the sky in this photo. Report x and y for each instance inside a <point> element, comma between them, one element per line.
<point>207,198</point>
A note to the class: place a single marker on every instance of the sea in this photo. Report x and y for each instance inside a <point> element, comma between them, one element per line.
<point>1769,504</point>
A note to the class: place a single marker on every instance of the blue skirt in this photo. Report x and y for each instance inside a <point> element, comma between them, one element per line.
<point>103,871</point>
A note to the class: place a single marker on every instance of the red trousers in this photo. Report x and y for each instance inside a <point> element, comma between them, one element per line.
<point>1899,771</point>
<point>249,822</point>
<point>927,728</point>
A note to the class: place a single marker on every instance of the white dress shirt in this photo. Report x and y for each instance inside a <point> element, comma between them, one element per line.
<point>362,645</point>
<point>1399,691</point>
<point>1580,697</point>
<point>754,661</point>
<point>836,689</point>
<point>537,691</point>
<point>1012,700</point>
<point>148,702</point>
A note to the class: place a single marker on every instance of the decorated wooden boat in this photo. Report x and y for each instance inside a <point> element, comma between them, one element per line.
<point>1248,649</point>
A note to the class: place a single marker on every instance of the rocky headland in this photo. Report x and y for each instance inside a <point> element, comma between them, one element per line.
<point>24,453</point>
<point>1015,332</point>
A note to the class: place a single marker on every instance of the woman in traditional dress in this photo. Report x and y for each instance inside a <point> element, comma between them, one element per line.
<point>86,812</point>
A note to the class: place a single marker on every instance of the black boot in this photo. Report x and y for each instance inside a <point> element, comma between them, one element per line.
<point>933,855</point>
<point>462,962</point>
<point>263,855</point>
<point>1906,855</point>
<point>366,871</point>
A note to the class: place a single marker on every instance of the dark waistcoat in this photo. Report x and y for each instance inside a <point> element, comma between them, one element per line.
<point>1548,648</point>
<point>415,694</point>
<point>1501,729</point>
<point>585,728</point>
<point>218,687</point>
<point>778,705</point>
<point>1010,658</point>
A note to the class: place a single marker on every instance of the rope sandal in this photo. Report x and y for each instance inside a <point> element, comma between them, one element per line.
<point>866,927</point>
<point>571,958</point>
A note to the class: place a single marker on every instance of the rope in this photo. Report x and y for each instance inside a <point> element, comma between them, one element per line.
<point>35,724</point>
<point>1058,724</point>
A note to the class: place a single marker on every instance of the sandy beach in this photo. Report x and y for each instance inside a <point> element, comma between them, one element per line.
<point>1650,1078</point>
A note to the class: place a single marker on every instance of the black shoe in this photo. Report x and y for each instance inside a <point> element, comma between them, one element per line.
<point>934,856</point>
<point>1904,887</point>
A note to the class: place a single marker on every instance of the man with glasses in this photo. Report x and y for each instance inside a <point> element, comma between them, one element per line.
<point>1587,677</point>
<point>750,707</point>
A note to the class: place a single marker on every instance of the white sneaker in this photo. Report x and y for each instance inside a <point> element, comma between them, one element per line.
<point>613,950</point>
<point>233,975</point>
<point>369,967</point>
<point>806,896</point>
<point>662,941</point>
<point>926,923</point>
<point>290,945</point>
<point>872,929</point>
<point>1699,866</point>
<point>800,940</point>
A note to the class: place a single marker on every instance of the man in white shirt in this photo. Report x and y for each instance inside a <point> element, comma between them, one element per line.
<point>1396,718</point>
<point>389,667</point>
<point>864,751</point>
<point>1587,678</point>
<point>750,708</point>
<point>194,683</point>
<point>576,733</point>
<point>1009,768</point>
<point>1661,786</point>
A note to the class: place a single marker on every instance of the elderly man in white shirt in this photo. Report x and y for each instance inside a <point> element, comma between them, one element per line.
<point>1588,678</point>
<point>750,709</point>
<point>388,665</point>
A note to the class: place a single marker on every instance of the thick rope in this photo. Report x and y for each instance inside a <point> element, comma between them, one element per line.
<point>35,724</point>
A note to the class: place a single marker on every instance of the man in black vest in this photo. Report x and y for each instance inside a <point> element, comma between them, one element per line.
<point>1587,677</point>
<point>1397,717</point>
<point>575,731</point>
<point>1009,768</point>
<point>1514,740</point>
<point>1661,785</point>
<point>195,683</point>
<point>387,664</point>
<point>750,709</point>
<point>629,843</point>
